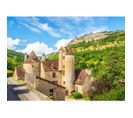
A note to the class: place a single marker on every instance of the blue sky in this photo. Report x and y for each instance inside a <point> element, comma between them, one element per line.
<point>48,34</point>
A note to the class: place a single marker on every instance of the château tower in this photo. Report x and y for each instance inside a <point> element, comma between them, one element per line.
<point>31,64</point>
<point>66,67</point>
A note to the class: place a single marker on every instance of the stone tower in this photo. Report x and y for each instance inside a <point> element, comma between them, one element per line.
<point>66,67</point>
<point>32,64</point>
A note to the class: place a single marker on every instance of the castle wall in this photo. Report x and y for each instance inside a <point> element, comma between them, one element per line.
<point>32,68</point>
<point>69,73</point>
<point>49,75</point>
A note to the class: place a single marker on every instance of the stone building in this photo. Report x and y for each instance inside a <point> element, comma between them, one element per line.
<point>61,72</point>
<point>19,73</point>
<point>83,81</point>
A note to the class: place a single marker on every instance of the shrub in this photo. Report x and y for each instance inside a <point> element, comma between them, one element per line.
<point>77,95</point>
<point>114,94</point>
<point>9,73</point>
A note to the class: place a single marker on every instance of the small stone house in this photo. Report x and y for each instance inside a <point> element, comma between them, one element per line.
<point>19,73</point>
<point>83,81</point>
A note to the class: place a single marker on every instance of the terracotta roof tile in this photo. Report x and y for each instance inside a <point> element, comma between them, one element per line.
<point>80,76</point>
<point>50,65</point>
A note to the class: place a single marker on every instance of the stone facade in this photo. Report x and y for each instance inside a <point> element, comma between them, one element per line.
<point>84,82</point>
<point>30,80</point>
<point>66,67</point>
<point>54,75</point>
<point>51,89</point>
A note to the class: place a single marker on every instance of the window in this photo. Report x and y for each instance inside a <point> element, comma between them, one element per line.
<point>54,75</point>
<point>64,82</point>
<point>51,90</point>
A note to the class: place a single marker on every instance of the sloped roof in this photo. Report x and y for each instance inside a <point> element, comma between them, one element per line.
<point>20,72</point>
<point>67,50</point>
<point>50,65</point>
<point>80,76</point>
<point>31,58</point>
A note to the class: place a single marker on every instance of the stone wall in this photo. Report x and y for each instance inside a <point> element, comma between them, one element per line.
<point>32,68</point>
<point>48,75</point>
<point>30,80</point>
<point>53,90</point>
<point>78,88</point>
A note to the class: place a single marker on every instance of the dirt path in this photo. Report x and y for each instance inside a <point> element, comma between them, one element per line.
<point>19,91</point>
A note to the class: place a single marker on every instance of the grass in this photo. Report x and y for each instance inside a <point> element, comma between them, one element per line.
<point>83,98</point>
<point>69,97</point>
<point>86,98</point>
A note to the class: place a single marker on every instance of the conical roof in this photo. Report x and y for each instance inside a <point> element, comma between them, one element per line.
<point>32,58</point>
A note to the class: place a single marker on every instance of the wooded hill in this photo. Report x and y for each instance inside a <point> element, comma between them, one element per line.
<point>14,59</point>
<point>106,58</point>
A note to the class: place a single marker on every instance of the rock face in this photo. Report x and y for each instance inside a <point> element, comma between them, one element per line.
<point>90,37</point>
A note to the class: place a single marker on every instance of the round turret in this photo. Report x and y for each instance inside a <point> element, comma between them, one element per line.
<point>69,73</point>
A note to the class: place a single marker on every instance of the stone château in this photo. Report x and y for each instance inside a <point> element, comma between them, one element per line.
<point>59,72</point>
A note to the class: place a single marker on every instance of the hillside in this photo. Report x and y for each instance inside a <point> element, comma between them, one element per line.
<point>105,57</point>
<point>102,52</point>
<point>14,59</point>
<point>91,54</point>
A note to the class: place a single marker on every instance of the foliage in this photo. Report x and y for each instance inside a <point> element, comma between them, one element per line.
<point>112,69</point>
<point>9,73</point>
<point>77,95</point>
<point>114,94</point>
<point>52,56</point>
<point>14,59</point>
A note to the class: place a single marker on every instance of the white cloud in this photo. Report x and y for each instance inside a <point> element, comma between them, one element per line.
<point>62,43</point>
<point>11,43</point>
<point>48,29</point>
<point>38,47</point>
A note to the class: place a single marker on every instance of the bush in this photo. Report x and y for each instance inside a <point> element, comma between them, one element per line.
<point>114,94</point>
<point>77,95</point>
<point>9,73</point>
